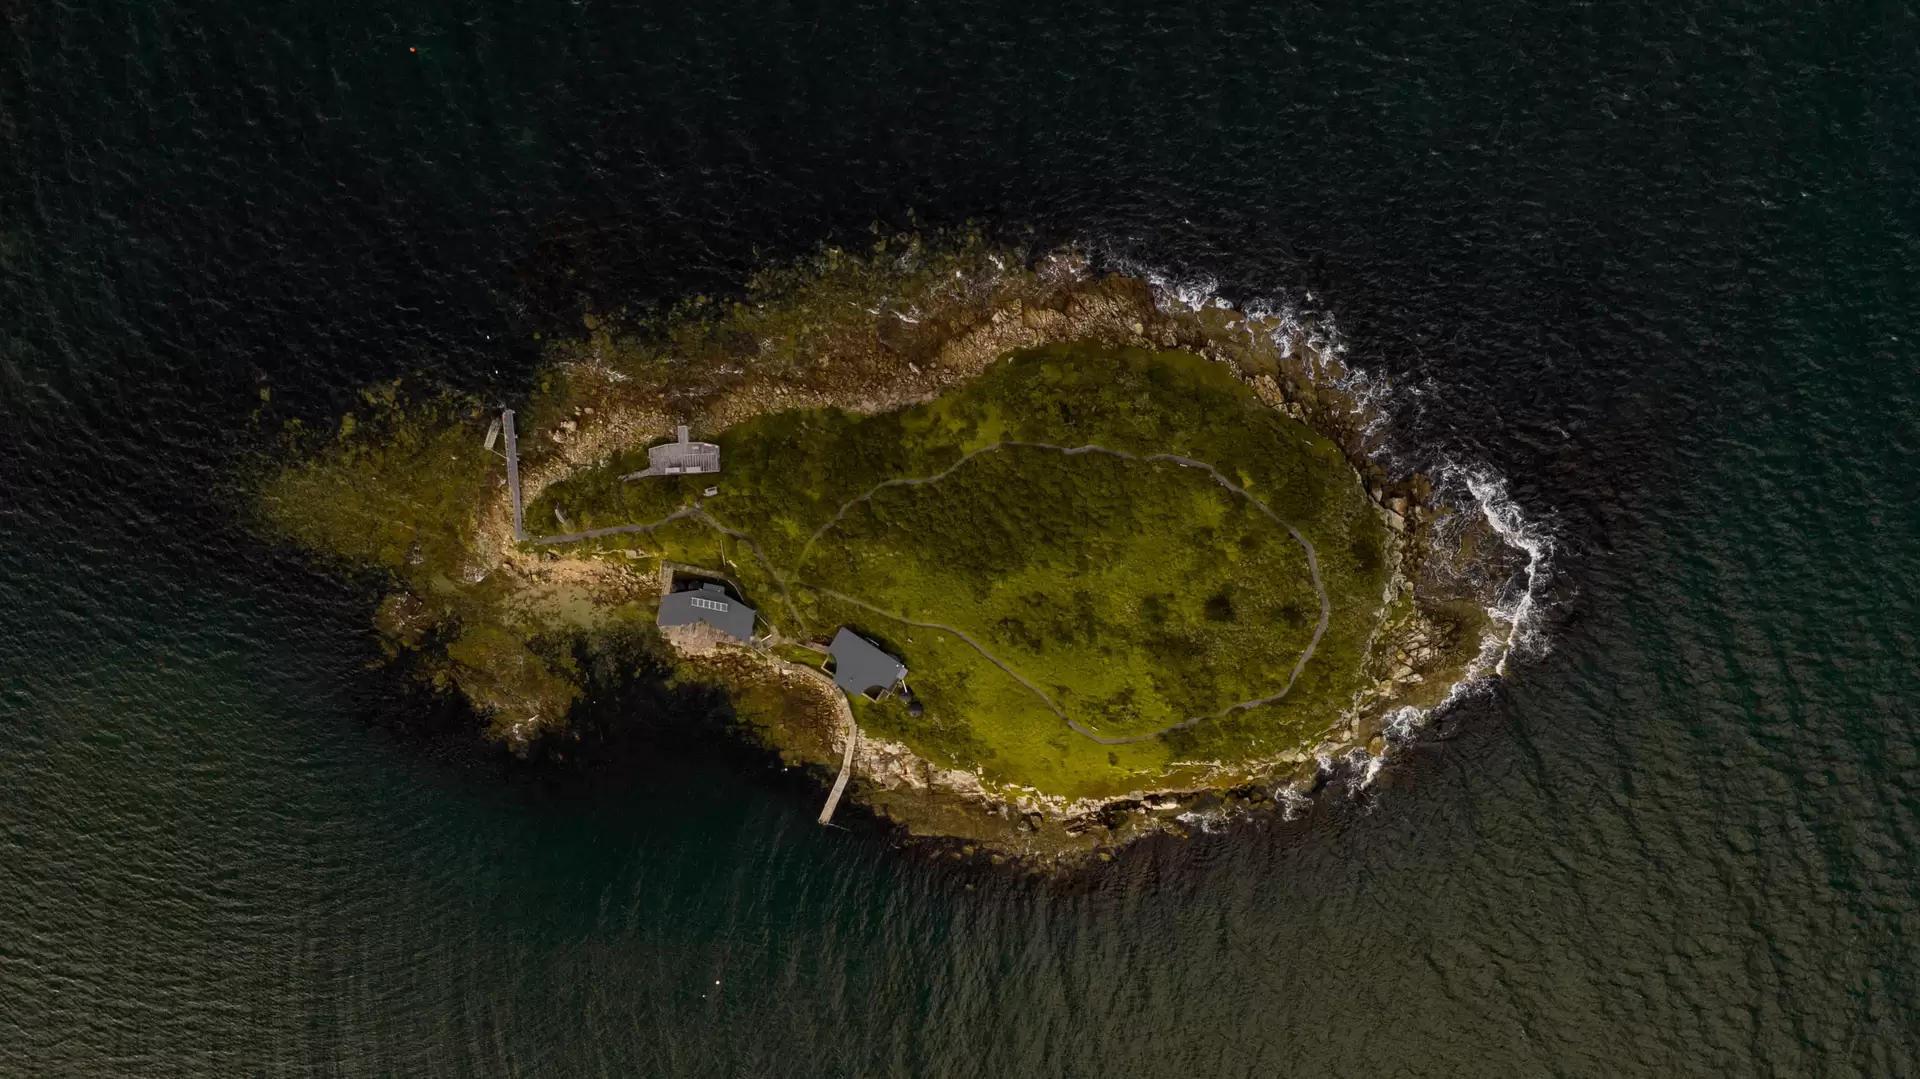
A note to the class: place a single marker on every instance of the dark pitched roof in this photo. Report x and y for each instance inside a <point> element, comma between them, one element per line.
<point>708,603</point>
<point>859,665</point>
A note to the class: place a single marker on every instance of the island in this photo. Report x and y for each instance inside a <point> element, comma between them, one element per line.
<point>1014,554</point>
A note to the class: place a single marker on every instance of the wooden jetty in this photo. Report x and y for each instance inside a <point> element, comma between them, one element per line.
<point>513,474</point>
<point>846,769</point>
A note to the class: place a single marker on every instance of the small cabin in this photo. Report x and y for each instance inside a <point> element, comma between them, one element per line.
<point>861,667</point>
<point>708,603</point>
<point>679,458</point>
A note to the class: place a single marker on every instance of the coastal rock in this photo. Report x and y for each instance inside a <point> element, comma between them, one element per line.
<point>1307,777</point>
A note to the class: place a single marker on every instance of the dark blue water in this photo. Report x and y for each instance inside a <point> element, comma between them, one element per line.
<point>1654,265</point>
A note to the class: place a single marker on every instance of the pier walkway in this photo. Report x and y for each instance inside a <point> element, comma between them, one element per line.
<point>513,474</point>
<point>846,769</point>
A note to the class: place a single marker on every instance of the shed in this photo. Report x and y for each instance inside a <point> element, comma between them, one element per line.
<point>859,665</point>
<point>708,603</point>
<point>679,458</point>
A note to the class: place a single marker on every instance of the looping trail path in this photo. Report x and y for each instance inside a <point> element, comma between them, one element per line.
<point>698,512</point>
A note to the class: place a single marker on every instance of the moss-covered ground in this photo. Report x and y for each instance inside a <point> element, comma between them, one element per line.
<point>393,490</point>
<point>1133,594</point>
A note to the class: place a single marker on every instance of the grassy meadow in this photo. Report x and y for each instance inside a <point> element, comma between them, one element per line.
<point>1136,594</point>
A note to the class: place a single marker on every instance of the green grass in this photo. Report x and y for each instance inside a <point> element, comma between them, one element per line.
<point>393,487</point>
<point>1135,594</point>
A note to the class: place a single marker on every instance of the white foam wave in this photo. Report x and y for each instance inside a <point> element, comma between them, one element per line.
<point>1293,804</point>
<point>1521,608</point>
<point>1364,768</point>
<point>1207,821</point>
<point>1402,722</point>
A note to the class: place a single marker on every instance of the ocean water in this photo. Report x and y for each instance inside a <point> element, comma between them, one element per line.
<point>1651,268</point>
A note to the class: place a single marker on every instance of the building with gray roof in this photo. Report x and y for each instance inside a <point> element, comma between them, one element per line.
<point>679,458</point>
<point>709,603</point>
<point>860,666</point>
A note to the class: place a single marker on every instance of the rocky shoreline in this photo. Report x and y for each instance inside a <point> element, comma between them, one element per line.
<point>923,801</point>
<point>1290,371</point>
<point>917,332</point>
